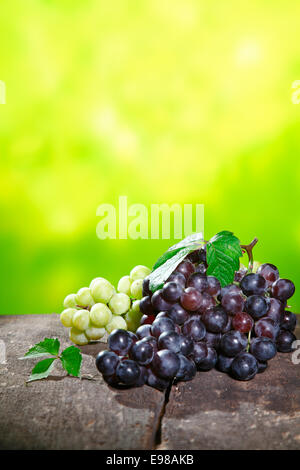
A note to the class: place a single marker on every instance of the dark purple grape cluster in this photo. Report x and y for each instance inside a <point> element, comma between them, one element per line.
<point>192,324</point>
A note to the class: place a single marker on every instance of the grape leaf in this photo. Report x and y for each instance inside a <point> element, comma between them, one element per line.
<point>195,240</point>
<point>42,369</point>
<point>44,348</point>
<point>71,360</point>
<point>187,241</point>
<point>167,255</point>
<point>161,274</point>
<point>223,252</point>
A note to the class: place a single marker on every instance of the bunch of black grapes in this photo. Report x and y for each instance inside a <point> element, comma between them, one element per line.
<point>193,324</point>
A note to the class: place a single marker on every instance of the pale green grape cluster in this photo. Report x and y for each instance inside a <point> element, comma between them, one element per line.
<point>100,308</point>
<point>132,286</point>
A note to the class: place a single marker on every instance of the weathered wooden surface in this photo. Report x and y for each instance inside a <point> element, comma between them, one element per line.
<point>63,412</point>
<point>214,411</point>
<point>210,412</point>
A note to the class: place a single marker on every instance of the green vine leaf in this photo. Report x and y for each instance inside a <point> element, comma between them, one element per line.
<point>49,346</point>
<point>71,360</point>
<point>194,241</point>
<point>194,238</point>
<point>42,369</point>
<point>161,274</point>
<point>223,252</point>
<point>167,255</point>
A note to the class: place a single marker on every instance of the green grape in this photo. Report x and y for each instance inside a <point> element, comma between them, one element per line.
<point>135,314</point>
<point>135,307</point>
<point>139,272</point>
<point>78,337</point>
<point>133,319</point>
<point>119,304</point>
<point>81,320</point>
<point>67,315</point>
<point>70,301</point>
<point>93,333</point>
<point>137,289</point>
<point>132,323</point>
<point>256,265</point>
<point>116,323</point>
<point>84,297</point>
<point>100,315</point>
<point>124,285</point>
<point>94,281</point>
<point>102,291</point>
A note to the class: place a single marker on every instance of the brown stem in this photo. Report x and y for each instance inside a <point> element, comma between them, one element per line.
<point>83,308</point>
<point>248,249</point>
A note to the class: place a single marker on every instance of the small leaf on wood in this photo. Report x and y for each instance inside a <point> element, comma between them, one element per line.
<point>49,346</point>
<point>42,369</point>
<point>71,360</point>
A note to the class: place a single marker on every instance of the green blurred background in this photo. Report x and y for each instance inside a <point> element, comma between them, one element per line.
<point>183,101</point>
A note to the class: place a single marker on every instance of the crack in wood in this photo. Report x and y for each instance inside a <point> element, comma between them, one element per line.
<point>158,433</point>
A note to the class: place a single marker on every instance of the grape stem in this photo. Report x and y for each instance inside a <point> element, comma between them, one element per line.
<point>84,308</point>
<point>248,249</point>
<point>249,339</point>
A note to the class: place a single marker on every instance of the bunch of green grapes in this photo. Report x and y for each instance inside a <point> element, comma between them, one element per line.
<point>99,308</point>
<point>132,286</point>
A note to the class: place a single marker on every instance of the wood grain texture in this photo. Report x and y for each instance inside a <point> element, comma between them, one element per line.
<point>63,412</point>
<point>214,411</point>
